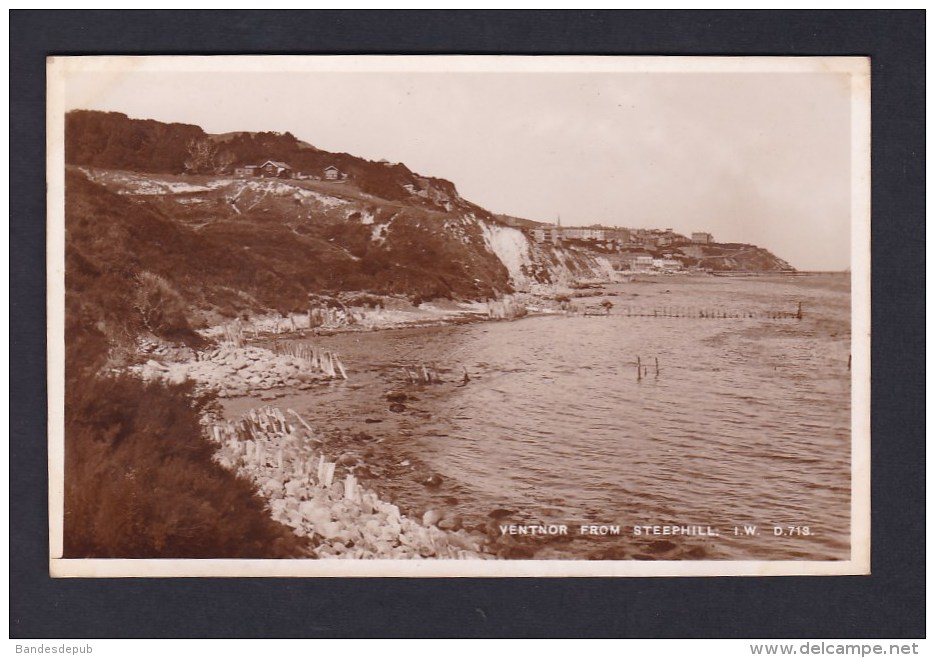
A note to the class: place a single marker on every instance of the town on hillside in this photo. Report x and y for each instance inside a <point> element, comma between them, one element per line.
<point>629,249</point>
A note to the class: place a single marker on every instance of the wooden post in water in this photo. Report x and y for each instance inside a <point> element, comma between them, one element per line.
<point>337,362</point>
<point>657,366</point>
<point>639,369</point>
<point>798,313</point>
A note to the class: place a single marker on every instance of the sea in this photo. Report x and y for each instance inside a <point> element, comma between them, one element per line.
<point>689,418</point>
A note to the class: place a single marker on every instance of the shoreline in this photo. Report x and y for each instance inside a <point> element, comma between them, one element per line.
<point>381,456</point>
<point>326,503</point>
<point>344,502</point>
<point>248,369</point>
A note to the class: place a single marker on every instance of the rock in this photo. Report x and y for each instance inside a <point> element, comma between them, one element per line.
<point>433,481</point>
<point>294,519</point>
<point>372,527</point>
<point>348,459</point>
<point>316,515</point>
<point>396,397</point>
<point>293,487</point>
<point>337,491</point>
<point>372,420</point>
<point>277,507</point>
<point>366,504</point>
<point>272,487</point>
<point>452,522</point>
<point>329,530</point>
<point>177,377</point>
<point>465,541</point>
<point>403,552</point>
<point>501,513</point>
<point>396,407</point>
<point>432,517</point>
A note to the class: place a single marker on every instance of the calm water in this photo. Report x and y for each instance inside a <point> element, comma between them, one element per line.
<point>747,423</point>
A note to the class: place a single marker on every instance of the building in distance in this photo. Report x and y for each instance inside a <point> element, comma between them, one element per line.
<point>269,169</point>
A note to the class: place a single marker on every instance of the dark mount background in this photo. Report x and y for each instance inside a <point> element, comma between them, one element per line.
<point>890,603</point>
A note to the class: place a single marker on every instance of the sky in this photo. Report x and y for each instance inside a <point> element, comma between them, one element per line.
<point>763,157</point>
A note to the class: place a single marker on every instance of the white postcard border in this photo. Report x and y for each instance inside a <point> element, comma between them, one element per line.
<point>858,68</point>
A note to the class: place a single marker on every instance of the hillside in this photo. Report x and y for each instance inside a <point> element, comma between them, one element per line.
<point>230,245</point>
<point>518,222</point>
<point>262,244</point>
<point>157,205</point>
<point>110,140</point>
<point>733,257</point>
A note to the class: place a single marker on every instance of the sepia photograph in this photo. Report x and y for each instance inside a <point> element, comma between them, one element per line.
<point>458,316</point>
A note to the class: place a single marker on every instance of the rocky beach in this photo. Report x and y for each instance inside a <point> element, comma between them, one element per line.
<point>314,481</point>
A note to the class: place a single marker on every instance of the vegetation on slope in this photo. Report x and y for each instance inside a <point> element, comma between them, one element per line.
<point>139,476</point>
<point>140,481</point>
<point>270,256</point>
<point>111,140</point>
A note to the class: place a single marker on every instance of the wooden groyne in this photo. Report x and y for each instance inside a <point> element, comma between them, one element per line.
<point>644,368</point>
<point>712,313</point>
<point>326,361</point>
<point>422,373</point>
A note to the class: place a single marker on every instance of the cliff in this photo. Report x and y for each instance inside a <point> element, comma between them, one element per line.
<point>230,244</point>
<point>156,208</point>
<point>733,257</point>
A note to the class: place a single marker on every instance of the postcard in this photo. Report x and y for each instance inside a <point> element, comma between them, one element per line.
<point>469,316</point>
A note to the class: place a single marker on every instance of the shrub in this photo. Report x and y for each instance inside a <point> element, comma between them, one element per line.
<point>161,308</point>
<point>140,480</point>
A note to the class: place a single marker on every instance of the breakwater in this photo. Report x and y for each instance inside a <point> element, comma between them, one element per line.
<point>305,491</point>
<point>233,371</point>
